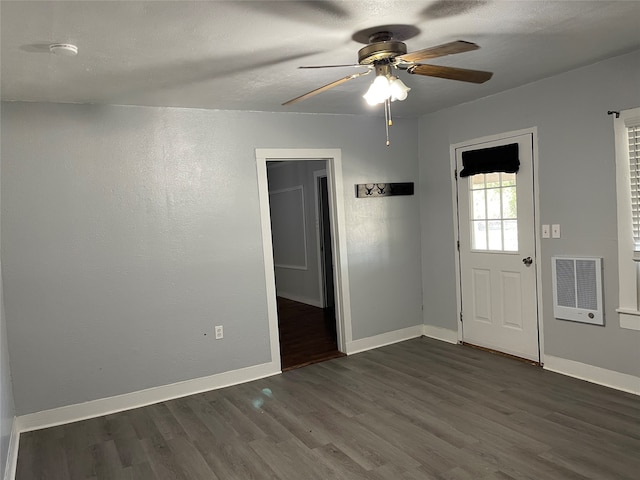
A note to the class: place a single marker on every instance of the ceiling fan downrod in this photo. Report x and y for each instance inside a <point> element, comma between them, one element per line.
<point>383,36</point>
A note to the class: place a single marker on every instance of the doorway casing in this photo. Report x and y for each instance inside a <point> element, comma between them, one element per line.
<point>333,157</point>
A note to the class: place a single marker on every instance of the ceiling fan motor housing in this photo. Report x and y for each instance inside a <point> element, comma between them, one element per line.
<point>380,51</point>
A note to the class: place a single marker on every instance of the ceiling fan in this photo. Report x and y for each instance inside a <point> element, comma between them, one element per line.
<point>383,54</point>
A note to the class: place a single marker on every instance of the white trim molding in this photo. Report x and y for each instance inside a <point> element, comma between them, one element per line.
<point>141,398</point>
<point>628,270</point>
<point>601,376</point>
<point>439,333</point>
<point>376,341</point>
<point>333,156</point>
<point>629,319</point>
<point>12,453</point>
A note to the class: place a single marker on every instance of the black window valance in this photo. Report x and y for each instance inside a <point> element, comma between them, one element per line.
<point>489,160</point>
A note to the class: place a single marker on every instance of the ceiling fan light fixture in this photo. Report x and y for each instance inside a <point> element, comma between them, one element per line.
<point>379,91</point>
<point>398,89</point>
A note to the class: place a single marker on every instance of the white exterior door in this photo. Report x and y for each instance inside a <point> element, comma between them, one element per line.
<point>497,251</point>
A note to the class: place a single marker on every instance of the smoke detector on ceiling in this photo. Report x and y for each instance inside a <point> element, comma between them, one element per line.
<point>63,49</point>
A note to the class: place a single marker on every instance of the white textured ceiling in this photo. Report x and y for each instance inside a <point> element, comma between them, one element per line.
<point>243,55</point>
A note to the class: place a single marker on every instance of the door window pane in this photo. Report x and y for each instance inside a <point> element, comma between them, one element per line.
<point>477,181</point>
<point>510,235</point>
<point>479,204</point>
<point>495,234</point>
<point>508,179</point>
<point>479,234</point>
<point>493,203</point>
<point>509,205</point>
<point>492,180</point>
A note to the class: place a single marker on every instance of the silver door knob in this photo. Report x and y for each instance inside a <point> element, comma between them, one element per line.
<point>527,261</point>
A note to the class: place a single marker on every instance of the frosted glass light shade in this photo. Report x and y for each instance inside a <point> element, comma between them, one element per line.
<point>379,91</point>
<point>398,89</point>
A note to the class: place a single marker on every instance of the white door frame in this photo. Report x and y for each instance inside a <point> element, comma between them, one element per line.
<point>333,156</point>
<point>533,131</point>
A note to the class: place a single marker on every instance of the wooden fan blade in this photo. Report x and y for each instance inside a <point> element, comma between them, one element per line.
<point>326,87</point>
<point>332,66</point>
<point>451,48</point>
<point>451,73</point>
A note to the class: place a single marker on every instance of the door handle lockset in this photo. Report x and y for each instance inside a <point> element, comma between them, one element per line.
<point>527,261</point>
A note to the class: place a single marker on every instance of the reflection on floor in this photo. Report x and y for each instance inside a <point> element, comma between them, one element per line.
<point>307,334</point>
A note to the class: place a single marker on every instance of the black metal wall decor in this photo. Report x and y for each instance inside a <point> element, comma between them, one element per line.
<point>370,190</point>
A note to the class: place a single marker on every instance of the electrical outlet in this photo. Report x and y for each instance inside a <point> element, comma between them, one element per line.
<point>219,332</point>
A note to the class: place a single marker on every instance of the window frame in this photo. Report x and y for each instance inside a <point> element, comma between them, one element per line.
<point>628,261</point>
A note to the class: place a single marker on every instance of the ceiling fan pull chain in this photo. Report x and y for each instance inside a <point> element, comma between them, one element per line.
<point>387,118</point>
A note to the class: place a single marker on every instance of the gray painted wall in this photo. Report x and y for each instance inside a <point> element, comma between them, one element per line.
<point>129,232</point>
<point>576,177</point>
<point>300,285</point>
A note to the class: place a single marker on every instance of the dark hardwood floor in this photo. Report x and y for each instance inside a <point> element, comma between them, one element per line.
<point>420,409</point>
<point>307,334</point>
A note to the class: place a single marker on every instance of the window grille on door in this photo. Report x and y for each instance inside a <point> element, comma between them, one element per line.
<point>494,212</point>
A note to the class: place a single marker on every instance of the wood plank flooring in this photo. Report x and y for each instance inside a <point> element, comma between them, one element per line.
<point>420,409</point>
<point>307,334</point>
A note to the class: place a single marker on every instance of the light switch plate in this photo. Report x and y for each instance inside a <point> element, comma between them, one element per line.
<point>555,230</point>
<point>546,232</point>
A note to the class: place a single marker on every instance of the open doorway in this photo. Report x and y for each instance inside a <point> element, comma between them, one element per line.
<point>336,189</point>
<point>300,223</point>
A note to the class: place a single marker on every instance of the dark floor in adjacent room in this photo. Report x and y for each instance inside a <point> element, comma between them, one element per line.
<point>420,409</point>
<point>307,334</point>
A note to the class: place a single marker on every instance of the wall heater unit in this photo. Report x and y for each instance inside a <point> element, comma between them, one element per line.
<point>577,289</point>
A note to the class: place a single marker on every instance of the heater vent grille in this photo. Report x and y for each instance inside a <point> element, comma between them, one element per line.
<point>577,289</point>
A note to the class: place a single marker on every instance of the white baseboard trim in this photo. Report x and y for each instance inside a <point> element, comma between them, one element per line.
<point>383,339</point>
<point>439,333</point>
<point>12,453</point>
<point>314,302</point>
<point>601,376</point>
<point>127,401</point>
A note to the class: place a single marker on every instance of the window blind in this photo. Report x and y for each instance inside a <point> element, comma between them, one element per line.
<point>633,135</point>
<point>503,158</point>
